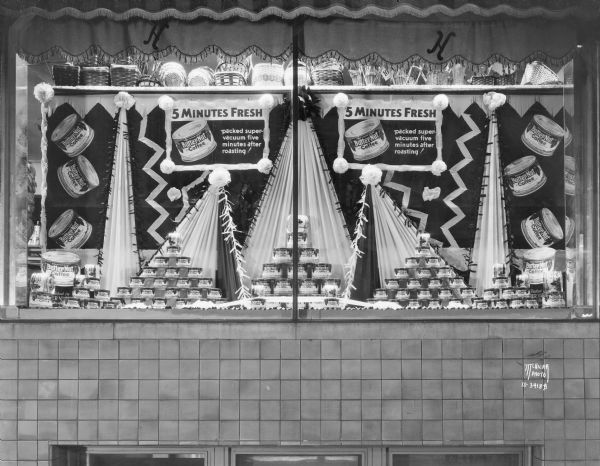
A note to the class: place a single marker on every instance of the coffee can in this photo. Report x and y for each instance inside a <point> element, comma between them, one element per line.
<point>525,176</point>
<point>72,135</point>
<point>78,177</point>
<point>541,229</point>
<point>70,230</point>
<point>543,135</point>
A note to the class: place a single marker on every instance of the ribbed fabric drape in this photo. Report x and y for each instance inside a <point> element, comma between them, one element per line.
<point>316,199</point>
<point>491,241</point>
<point>198,232</point>
<point>120,258</point>
<point>396,238</point>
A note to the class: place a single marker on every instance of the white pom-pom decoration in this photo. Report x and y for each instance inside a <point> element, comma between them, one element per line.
<point>438,167</point>
<point>440,102</point>
<point>493,100</point>
<point>340,100</point>
<point>340,165</point>
<point>173,194</point>
<point>124,100</point>
<point>264,165</point>
<point>167,166</point>
<point>498,100</point>
<point>43,92</point>
<point>487,99</point>
<point>165,102</point>
<point>266,101</point>
<point>219,177</point>
<point>371,175</point>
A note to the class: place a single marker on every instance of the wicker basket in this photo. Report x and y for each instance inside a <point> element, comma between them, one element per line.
<point>201,76</point>
<point>267,74</point>
<point>124,75</point>
<point>487,80</point>
<point>506,79</point>
<point>65,75</point>
<point>172,74</point>
<point>328,73</point>
<point>95,76</point>
<point>536,73</point>
<point>231,74</point>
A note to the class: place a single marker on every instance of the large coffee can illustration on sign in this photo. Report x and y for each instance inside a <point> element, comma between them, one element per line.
<point>541,229</point>
<point>72,135</point>
<point>524,176</point>
<point>78,176</point>
<point>543,135</point>
<point>367,139</point>
<point>194,140</point>
<point>70,230</point>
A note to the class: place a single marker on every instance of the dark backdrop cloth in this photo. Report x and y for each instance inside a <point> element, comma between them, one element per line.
<point>366,277</point>
<point>92,205</point>
<point>244,190</point>
<point>227,278</point>
<point>552,195</point>
<point>437,212</point>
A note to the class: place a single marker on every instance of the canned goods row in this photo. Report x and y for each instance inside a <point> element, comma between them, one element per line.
<point>424,293</point>
<point>424,272</point>
<point>304,271</point>
<point>305,255</point>
<point>39,299</point>
<point>425,258</point>
<point>181,270</point>
<point>505,303</point>
<point>328,287</point>
<point>170,292</point>
<point>432,283</point>
<point>165,282</point>
<point>171,262</point>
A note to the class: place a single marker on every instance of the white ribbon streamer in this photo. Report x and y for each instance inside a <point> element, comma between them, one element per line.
<point>229,229</point>
<point>350,267</point>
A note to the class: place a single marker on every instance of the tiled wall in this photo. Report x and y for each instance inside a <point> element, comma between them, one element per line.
<point>319,383</point>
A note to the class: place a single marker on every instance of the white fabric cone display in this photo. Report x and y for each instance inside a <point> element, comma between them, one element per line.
<point>395,237</point>
<point>316,199</point>
<point>120,258</point>
<point>198,233</point>
<point>491,239</point>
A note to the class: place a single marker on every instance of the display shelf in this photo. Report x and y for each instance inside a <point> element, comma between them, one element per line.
<point>441,314</point>
<point>147,314</point>
<point>63,314</point>
<point>392,90</point>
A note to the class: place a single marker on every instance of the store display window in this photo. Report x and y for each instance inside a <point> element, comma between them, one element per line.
<point>309,167</point>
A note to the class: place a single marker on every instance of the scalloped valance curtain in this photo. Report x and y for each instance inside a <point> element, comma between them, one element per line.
<point>76,39</point>
<point>475,42</point>
<point>367,40</point>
